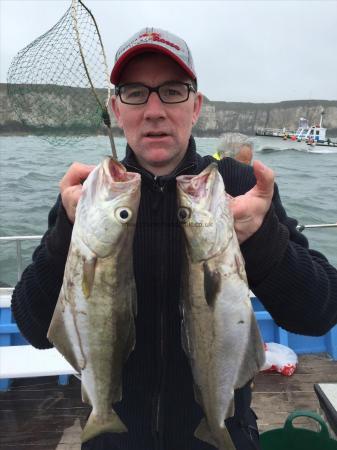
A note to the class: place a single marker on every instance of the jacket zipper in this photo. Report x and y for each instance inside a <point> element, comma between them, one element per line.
<point>161,337</point>
<point>159,444</point>
<point>162,360</point>
<point>156,398</point>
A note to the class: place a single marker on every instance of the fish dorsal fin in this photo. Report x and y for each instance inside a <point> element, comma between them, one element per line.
<point>134,298</point>
<point>231,408</point>
<point>131,339</point>
<point>85,396</point>
<point>212,283</point>
<point>197,394</point>
<point>184,339</point>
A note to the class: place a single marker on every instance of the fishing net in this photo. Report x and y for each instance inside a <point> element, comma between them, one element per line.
<point>59,84</point>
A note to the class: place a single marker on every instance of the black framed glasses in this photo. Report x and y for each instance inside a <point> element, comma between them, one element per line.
<point>170,92</point>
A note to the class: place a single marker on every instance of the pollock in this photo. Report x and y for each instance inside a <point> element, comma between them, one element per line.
<point>220,334</point>
<point>93,322</point>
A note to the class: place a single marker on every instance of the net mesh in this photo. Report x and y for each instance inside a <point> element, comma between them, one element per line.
<point>49,80</point>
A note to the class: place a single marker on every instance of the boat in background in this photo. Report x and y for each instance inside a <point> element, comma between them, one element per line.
<point>312,135</point>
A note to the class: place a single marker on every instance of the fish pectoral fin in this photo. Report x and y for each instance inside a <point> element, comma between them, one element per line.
<point>96,426</point>
<point>203,433</point>
<point>212,283</point>
<point>89,266</point>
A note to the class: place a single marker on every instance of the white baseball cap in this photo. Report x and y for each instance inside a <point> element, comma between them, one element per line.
<point>153,40</point>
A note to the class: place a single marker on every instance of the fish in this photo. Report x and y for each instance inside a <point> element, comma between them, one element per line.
<point>93,324</point>
<point>219,331</point>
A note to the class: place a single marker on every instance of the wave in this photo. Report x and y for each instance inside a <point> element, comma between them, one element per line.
<point>319,150</point>
<point>33,176</point>
<point>323,150</point>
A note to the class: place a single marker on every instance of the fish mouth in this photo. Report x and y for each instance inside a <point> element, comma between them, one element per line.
<point>198,186</point>
<point>118,172</point>
<point>116,179</point>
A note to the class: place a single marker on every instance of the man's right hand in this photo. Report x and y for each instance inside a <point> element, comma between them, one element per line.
<point>71,187</point>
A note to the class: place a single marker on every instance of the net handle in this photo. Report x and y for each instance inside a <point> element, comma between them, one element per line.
<point>104,108</point>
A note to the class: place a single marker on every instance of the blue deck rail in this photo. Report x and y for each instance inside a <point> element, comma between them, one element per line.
<point>299,343</point>
<point>9,333</point>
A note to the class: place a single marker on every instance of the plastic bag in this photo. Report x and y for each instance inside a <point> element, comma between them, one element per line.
<point>279,358</point>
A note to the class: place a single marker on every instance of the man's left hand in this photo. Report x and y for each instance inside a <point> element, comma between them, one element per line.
<point>250,209</point>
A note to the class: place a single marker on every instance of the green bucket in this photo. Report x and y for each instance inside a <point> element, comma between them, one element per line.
<point>294,438</point>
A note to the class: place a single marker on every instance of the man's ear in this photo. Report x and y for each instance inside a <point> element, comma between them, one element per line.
<point>197,107</point>
<point>116,111</point>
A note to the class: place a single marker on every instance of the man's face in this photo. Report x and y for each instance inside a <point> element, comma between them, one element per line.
<point>157,132</point>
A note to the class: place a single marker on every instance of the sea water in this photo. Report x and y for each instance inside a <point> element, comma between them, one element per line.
<point>31,169</point>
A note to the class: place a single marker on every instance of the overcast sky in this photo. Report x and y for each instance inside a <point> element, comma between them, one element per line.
<point>256,51</point>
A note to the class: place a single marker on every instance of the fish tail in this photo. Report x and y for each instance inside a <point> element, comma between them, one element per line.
<point>96,425</point>
<point>226,442</point>
<point>204,433</point>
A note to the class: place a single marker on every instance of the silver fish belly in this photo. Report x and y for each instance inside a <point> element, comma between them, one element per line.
<point>93,322</point>
<point>219,331</point>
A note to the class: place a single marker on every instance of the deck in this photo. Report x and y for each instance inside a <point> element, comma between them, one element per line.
<point>38,414</point>
<point>275,396</point>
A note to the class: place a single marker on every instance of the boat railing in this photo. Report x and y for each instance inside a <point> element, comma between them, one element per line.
<point>18,240</point>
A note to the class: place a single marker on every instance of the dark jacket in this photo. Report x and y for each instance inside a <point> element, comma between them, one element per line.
<point>295,284</point>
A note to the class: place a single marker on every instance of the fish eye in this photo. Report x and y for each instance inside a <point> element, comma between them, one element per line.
<point>184,214</point>
<point>123,214</point>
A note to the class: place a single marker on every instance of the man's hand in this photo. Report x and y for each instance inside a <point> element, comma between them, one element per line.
<point>250,209</point>
<point>71,187</point>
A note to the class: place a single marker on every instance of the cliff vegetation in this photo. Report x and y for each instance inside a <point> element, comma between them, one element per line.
<point>53,109</point>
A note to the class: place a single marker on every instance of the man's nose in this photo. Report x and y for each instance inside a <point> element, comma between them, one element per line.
<point>154,108</point>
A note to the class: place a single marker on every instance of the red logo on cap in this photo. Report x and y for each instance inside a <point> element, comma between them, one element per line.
<point>156,37</point>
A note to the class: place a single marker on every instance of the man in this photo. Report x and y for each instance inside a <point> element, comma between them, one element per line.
<point>156,103</point>
<point>245,153</point>
<point>235,145</point>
